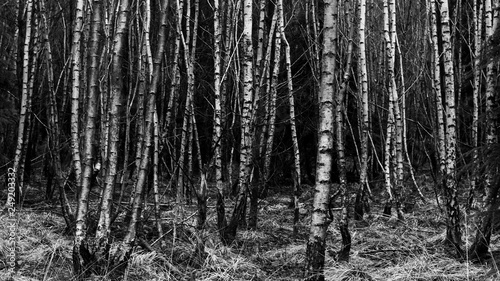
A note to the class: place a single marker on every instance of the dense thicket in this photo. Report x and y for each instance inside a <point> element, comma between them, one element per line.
<point>121,102</point>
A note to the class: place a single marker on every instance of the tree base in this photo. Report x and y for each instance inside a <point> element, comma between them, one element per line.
<point>315,257</point>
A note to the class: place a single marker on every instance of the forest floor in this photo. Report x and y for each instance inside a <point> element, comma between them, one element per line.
<point>382,248</point>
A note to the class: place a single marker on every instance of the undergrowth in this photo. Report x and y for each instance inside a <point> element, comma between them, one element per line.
<point>383,248</point>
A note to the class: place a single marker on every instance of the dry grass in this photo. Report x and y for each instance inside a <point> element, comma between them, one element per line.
<point>383,249</point>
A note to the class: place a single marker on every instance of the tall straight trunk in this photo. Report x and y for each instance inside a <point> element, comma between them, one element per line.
<point>121,254</point>
<point>182,172</point>
<point>453,227</point>
<point>363,98</point>
<point>267,102</point>
<point>217,134</point>
<point>23,169</point>
<point>478,23</point>
<point>260,63</point>
<point>340,111</point>
<point>391,126</point>
<point>437,90</point>
<point>155,80</point>
<point>142,78</point>
<point>397,111</point>
<point>81,261</point>
<point>259,115</point>
<point>76,64</point>
<point>114,108</point>
<point>257,190</point>
<point>156,180</point>
<point>15,49</point>
<point>321,216</point>
<point>293,126</point>
<point>480,246</point>
<point>188,187</point>
<point>174,84</point>
<point>312,34</point>
<point>189,57</point>
<point>246,116</point>
<point>271,126</point>
<point>225,12</point>
<point>25,96</point>
<point>200,192</point>
<point>491,13</point>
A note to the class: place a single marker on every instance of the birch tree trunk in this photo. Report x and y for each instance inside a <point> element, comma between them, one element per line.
<point>291,100</point>
<point>340,111</point>
<point>217,135</point>
<point>321,216</point>
<point>76,63</point>
<point>155,83</point>
<point>394,124</point>
<point>453,227</point>
<point>121,254</point>
<point>189,57</point>
<point>389,141</point>
<point>363,97</point>
<point>246,116</point>
<point>397,112</point>
<point>114,109</point>
<point>437,90</point>
<point>480,246</point>
<point>175,71</point>
<point>25,96</point>
<point>491,13</point>
<point>81,261</point>
<point>271,124</point>
<point>478,23</point>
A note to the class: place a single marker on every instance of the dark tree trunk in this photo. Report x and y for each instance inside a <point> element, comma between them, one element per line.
<point>202,210</point>
<point>254,208</point>
<point>83,261</point>
<point>480,247</point>
<point>387,208</point>
<point>221,217</point>
<point>315,259</point>
<point>359,205</point>
<point>343,254</point>
<point>229,233</point>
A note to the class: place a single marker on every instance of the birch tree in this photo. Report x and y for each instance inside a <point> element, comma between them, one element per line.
<point>246,116</point>
<point>296,175</point>
<point>76,64</point>
<point>363,97</point>
<point>80,245</point>
<point>436,86</point>
<point>270,127</point>
<point>321,216</point>
<point>217,135</point>
<point>116,100</point>
<point>491,14</point>
<point>25,96</point>
<point>394,144</point>
<point>340,111</point>
<point>453,227</point>
<point>480,246</point>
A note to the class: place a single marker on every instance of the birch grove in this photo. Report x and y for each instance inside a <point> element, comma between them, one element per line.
<point>177,132</point>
